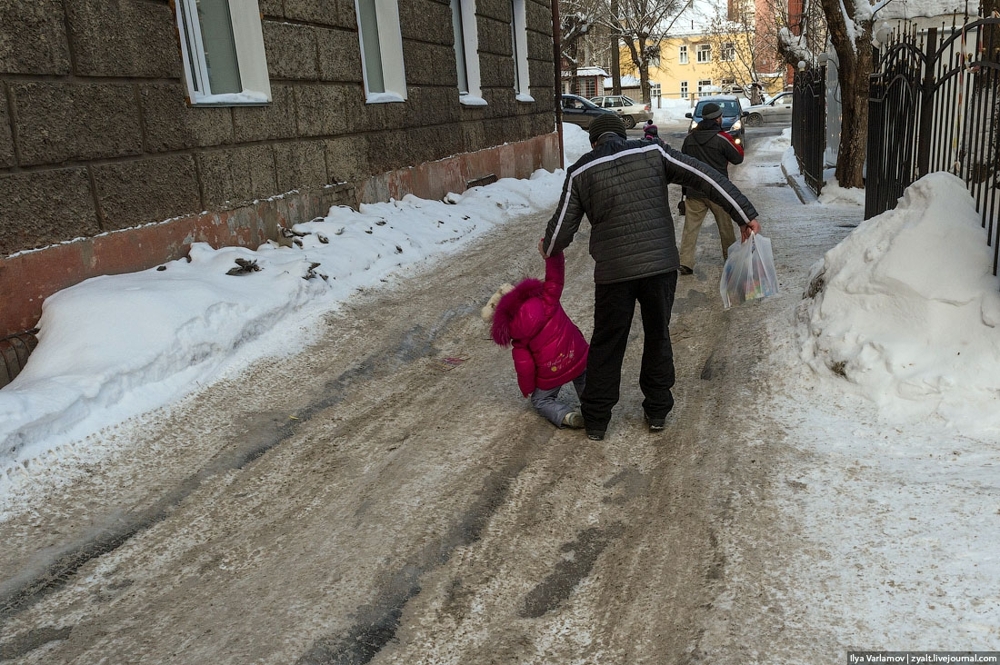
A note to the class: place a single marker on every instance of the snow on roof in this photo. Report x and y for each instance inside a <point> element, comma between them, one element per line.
<point>910,9</point>
<point>590,71</point>
<point>628,81</point>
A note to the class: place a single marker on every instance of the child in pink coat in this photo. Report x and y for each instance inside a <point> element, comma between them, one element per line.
<point>549,350</point>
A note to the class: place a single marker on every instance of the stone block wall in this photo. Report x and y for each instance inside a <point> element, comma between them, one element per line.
<point>97,135</point>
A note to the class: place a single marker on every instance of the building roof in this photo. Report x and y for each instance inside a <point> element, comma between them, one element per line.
<point>587,71</point>
<point>628,81</point>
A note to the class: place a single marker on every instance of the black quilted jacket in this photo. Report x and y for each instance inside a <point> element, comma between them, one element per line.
<point>622,188</point>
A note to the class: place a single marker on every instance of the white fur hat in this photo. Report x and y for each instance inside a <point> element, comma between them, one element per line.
<point>491,305</point>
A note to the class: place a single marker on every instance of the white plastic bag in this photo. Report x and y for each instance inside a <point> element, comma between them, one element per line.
<point>749,271</point>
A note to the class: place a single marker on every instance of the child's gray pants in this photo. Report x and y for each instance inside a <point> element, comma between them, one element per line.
<point>547,405</point>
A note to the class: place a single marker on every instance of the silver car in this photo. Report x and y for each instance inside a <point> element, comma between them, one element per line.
<point>631,111</point>
<point>778,110</point>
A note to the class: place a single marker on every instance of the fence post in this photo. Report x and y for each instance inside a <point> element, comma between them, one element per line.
<point>926,105</point>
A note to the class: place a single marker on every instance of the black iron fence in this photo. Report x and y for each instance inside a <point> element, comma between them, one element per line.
<point>935,106</point>
<point>809,124</point>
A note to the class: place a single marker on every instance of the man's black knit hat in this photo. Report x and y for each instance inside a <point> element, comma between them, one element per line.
<point>609,122</point>
<point>711,111</point>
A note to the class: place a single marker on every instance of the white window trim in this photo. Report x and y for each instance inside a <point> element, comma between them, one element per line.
<point>248,36</point>
<point>390,39</point>
<point>519,26</point>
<point>682,55</point>
<point>685,90</point>
<point>703,48</point>
<point>470,49</point>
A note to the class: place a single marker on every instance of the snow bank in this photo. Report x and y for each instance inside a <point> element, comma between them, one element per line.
<point>113,347</point>
<point>906,309</point>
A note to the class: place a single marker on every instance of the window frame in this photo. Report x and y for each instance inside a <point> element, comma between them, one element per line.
<point>463,16</point>
<point>682,55</point>
<point>390,51</point>
<point>701,49</point>
<point>728,52</point>
<point>519,44</point>
<point>685,93</point>
<point>251,60</point>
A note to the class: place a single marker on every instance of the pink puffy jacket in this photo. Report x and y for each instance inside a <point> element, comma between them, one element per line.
<point>549,350</point>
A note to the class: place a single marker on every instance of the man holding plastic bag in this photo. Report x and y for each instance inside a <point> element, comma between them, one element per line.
<point>708,143</point>
<point>621,186</point>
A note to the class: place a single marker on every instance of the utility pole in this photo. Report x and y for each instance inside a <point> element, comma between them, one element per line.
<point>616,68</point>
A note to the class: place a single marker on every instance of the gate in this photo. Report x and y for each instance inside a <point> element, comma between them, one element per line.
<point>809,124</point>
<point>934,105</point>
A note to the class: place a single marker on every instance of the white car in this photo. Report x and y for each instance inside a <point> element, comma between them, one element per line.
<point>632,112</point>
<point>778,110</point>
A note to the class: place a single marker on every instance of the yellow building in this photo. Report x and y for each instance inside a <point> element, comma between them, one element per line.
<point>708,53</point>
<point>695,65</point>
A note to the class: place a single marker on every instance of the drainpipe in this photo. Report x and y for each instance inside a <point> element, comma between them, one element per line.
<point>557,62</point>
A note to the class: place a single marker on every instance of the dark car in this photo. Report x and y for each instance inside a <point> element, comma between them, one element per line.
<point>732,115</point>
<point>581,111</point>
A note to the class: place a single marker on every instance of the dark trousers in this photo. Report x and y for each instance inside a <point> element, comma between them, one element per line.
<point>614,306</point>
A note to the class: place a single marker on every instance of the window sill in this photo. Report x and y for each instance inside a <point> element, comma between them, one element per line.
<point>525,99</point>
<point>384,98</point>
<point>247,98</point>
<point>472,100</point>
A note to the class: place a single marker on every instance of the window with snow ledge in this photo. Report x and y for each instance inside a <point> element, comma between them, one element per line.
<point>519,42</point>
<point>222,46</point>
<point>381,51</point>
<point>463,20</point>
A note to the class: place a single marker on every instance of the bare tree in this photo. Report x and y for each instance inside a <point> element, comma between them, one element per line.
<point>986,88</point>
<point>576,19</point>
<point>641,26</point>
<point>850,23</point>
<point>745,37</point>
<point>799,37</point>
<point>585,36</point>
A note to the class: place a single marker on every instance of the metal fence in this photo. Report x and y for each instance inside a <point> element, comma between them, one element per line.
<point>809,124</point>
<point>934,105</point>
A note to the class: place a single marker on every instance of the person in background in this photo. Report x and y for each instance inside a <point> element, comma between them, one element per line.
<point>707,143</point>
<point>621,186</point>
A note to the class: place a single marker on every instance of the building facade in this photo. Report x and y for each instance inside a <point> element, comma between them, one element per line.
<point>693,65</point>
<point>714,48</point>
<point>131,128</point>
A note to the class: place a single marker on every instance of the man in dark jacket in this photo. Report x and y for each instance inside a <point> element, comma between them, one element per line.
<point>621,186</point>
<point>717,149</point>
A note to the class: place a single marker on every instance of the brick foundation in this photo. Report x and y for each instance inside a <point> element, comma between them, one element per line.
<point>27,278</point>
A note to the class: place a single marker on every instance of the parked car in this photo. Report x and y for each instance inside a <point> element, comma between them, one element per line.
<point>732,115</point>
<point>778,110</point>
<point>580,111</point>
<point>631,111</point>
